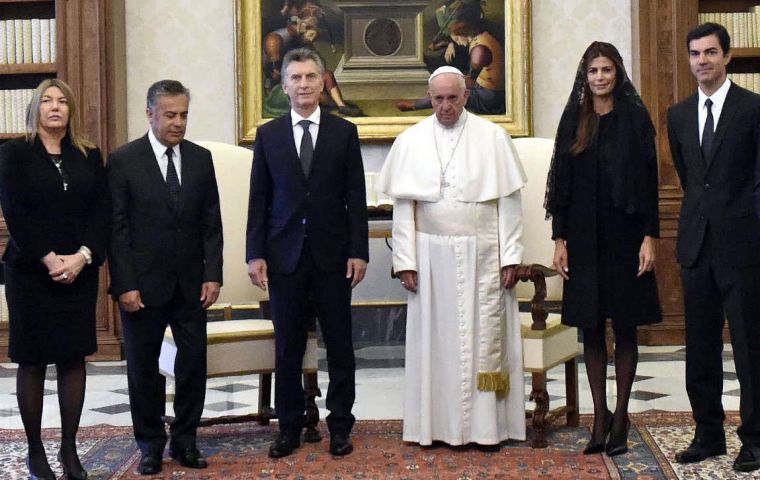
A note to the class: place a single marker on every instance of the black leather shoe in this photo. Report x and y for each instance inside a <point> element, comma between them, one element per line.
<point>748,459</point>
<point>699,450</point>
<point>283,446</point>
<point>618,442</point>
<point>150,464</point>
<point>596,445</point>
<point>72,468</point>
<point>189,457</point>
<point>40,474</point>
<point>312,435</point>
<point>340,444</point>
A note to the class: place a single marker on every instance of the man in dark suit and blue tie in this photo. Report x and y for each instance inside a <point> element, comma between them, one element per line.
<point>166,269</point>
<point>715,143</point>
<point>307,243</point>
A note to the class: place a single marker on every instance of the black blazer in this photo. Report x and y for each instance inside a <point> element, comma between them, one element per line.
<point>330,206</point>
<point>41,217</point>
<point>153,247</point>
<point>719,190</point>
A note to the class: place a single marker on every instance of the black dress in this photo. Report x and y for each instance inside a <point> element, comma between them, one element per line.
<point>51,322</point>
<point>603,241</point>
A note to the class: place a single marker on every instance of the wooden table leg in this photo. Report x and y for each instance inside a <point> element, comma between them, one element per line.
<point>539,395</point>
<point>265,399</point>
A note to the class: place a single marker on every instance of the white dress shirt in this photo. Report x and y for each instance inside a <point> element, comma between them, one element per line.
<point>159,150</point>
<point>718,98</point>
<point>298,131</point>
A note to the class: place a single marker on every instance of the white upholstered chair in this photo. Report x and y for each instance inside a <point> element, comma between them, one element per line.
<point>242,346</point>
<point>546,342</point>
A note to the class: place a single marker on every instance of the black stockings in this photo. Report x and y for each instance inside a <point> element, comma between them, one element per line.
<point>30,385</point>
<point>72,380</point>
<point>626,359</point>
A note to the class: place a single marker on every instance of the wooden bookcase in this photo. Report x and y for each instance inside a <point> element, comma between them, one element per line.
<point>90,58</point>
<point>744,60</point>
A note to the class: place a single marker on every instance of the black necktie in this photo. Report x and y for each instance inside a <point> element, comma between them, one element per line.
<point>306,151</point>
<point>709,131</point>
<point>172,179</point>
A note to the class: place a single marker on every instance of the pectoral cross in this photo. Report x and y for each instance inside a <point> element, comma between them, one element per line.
<point>444,183</point>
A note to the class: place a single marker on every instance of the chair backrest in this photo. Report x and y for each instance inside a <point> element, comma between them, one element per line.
<point>233,174</point>
<point>535,155</point>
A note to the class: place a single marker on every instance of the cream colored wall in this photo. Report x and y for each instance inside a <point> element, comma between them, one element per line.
<point>562,29</point>
<point>193,41</point>
<point>190,41</point>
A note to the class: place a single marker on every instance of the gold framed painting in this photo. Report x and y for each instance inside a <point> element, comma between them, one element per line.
<point>378,55</point>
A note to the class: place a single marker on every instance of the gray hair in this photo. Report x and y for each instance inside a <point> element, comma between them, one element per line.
<point>164,88</point>
<point>303,55</point>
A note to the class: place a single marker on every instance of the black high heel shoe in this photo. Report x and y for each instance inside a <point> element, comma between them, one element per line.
<point>71,475</point>
<point>597,446</point>
<point>49,475</point>
<point>618,443</point>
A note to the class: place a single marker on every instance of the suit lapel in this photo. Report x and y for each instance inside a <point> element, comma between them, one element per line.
<point>726,115</point>
<point>152,170</point>
<point>287,129</point>
<point>322,140</point>
<point>691,122</point>
<point>188,173</point>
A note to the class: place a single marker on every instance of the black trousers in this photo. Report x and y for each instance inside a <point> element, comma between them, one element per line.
<point>710,289</point>
<point>292,297</point>
<point>143,335</point>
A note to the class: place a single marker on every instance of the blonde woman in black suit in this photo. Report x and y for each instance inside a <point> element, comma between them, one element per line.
<point>54,200</point>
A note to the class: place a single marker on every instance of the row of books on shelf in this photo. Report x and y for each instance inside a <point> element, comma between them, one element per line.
<point>13,105</point>
<point>743,27</point>
<point>750,81</point>
<point>27,41</point>
<point>378,204</point>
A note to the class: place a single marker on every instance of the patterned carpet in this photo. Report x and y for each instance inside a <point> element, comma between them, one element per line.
<point>239,452</point>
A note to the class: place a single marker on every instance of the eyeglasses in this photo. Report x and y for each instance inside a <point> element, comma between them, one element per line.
<point>58,162</point>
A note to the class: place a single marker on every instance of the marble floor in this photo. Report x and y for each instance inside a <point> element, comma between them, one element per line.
<point>659,385</point>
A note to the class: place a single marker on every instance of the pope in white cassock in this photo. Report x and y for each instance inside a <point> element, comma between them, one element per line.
<point>457,220</point>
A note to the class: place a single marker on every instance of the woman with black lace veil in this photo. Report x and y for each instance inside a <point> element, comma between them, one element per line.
<point>601,195</point>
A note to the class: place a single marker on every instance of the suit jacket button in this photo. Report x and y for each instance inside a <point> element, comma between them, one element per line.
<point>707,186</point>
<point>701,217</point>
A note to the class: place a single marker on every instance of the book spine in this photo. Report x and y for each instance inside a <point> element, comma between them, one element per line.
<point>3,126</point>
<point>3,43</point>
<point>26,28</point>
<point>45,40</point>
<point>53,40</point>
<point>36,52</point>
<point>18,29</point>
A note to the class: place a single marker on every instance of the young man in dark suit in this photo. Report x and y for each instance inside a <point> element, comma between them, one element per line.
<point>166,269</point>
<point>307,242</point>
<point>714,142</point>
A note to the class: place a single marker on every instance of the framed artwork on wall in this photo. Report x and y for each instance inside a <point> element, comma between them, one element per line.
<point>378,55</point>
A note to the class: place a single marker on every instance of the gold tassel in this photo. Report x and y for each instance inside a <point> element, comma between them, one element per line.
<point>494,382</point>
